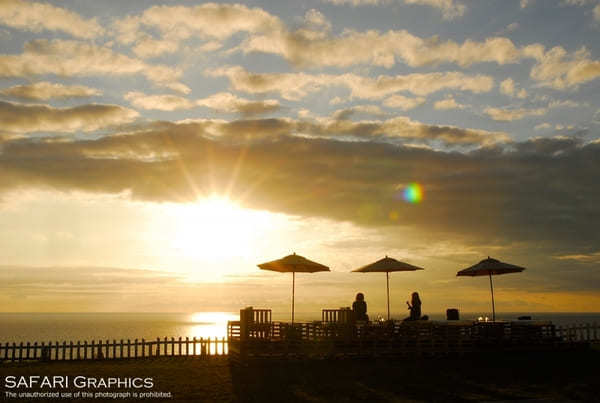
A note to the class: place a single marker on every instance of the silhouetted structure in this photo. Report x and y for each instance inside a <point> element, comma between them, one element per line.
<point>489,267</point>
<point>293,264</point>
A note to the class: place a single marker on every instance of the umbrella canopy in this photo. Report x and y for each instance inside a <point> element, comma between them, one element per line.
<point>490,267</point>
<point>293,264</point>
<point>387,265</point>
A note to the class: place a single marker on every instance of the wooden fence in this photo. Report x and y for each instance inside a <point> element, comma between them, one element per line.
<point>122,349</point>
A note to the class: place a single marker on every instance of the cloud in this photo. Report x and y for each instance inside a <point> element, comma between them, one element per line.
<point>403,103</point>
<point>222,102</point>
<point>576,2</point>
<point>395,129</point>
<point>508,87</point>
<point>448,103</point>
<point>44,91</point>
<point>344,114</point>
<point>558,69</point>
<point>507,115</point>
<point>544,188</point>
<point>543,126</point>
<point>76,58</point>
<point>449,8</point>
<point>158,102</point>
<point>36,17</point>
<point>148,47</point>
<point>230,103</point>
<point>379,49</point>
<point>593,257</point>
<point>526,3</point>
<point>294,86</point>
<point>20,118</point>
<point>597,12</point>
<point>176,23</point>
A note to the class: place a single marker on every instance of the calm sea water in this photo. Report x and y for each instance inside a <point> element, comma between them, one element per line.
<point>17,327</point>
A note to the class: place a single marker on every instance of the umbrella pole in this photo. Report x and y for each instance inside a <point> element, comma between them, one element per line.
<point>387,278</point>
<point>493,306</point>
<point>293,293</point>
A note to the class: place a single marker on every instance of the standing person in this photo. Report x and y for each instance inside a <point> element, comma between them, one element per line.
<point>359,306</point>
<point>414,306</point>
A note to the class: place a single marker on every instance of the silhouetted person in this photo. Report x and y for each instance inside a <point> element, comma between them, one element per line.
<point>414,306</point>
<point>360,307</point>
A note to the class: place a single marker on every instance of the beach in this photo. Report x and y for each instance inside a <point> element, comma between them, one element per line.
<point>549,376</point>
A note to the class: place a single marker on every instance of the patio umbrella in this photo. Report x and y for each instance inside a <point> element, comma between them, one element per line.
<point>387,265</point>
<point>489,267</point>
<point>293,264</point>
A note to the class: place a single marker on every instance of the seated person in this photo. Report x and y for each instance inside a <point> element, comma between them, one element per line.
<point>414,306</point>
<point>359,307</point>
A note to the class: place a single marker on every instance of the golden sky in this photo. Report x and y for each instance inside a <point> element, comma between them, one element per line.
<point>152,153</point>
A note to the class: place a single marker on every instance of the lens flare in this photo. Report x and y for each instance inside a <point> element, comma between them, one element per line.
<point>413,193</point>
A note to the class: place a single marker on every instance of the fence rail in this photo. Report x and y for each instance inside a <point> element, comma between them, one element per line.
<point>122,349</point>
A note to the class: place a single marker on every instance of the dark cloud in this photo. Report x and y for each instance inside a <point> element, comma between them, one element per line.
<point>21,118</point>
<point>541,190</point>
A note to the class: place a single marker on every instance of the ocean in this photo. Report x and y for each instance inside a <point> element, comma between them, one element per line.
<point>32,327</point>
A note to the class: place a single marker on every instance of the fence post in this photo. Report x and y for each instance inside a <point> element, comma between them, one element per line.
<point>78,353</point>
<point>187,345</point>
<point>71,350</point>
<point>179,342</point>
<point>85,348</point>
<point>143,348</point>
<point>194,346</point>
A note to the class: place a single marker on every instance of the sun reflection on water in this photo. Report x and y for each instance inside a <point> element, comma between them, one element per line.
<point>209,324</point>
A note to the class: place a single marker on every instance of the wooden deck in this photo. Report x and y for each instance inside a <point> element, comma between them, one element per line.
<point>255,337</point>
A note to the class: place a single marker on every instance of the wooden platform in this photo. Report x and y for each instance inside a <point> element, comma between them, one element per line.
<point>252,337</point>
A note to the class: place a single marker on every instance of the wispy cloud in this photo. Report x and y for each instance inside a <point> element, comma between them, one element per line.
<point>450,9</point>
<point>76,58</point>
<point>403,103</point>
<point>448,103</point>
<point>36,17</point>
<point>295,86</point>
<point>44,91</point>
<point>20,118</point>
<point>510,114</point>
<point>222,102</point>
<point>509,87</point>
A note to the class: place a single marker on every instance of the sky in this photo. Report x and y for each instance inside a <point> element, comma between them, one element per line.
<point>153,152</point>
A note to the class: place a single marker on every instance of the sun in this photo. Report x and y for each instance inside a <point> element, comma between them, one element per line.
<point>216,228</point>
